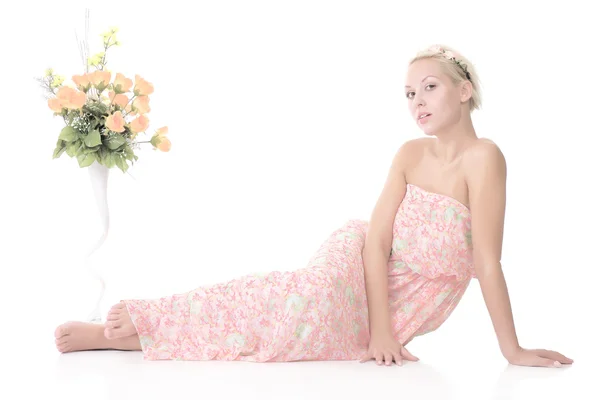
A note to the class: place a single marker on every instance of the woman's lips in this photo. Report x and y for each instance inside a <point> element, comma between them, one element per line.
<point>424,119</point>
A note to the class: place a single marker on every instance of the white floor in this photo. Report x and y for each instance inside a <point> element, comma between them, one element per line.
<point>37,370</point>
<point>118,375</point>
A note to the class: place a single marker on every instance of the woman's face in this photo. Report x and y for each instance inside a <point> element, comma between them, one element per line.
<point>429,91</point>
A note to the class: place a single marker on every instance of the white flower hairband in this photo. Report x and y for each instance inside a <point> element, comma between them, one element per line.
<point>452,57</point>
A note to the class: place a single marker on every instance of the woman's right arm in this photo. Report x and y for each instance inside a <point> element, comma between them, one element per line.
<point>378,242</point>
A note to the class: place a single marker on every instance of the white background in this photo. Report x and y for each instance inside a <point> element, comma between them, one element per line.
<point>284,118</point>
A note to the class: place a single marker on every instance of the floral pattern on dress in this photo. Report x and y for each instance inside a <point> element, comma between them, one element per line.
<point>320,312</point>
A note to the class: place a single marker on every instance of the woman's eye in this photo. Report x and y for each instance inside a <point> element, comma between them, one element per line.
<point>408,95</point>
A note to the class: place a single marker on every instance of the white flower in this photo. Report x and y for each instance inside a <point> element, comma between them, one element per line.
<point>436,48</point>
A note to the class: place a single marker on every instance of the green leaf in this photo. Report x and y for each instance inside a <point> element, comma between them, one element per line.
<point>121,163</point>
<point>115,141</point>
<point>85,160</point>
<point>96,108</point>
<point>68,134</point>
<point>73,148</point>
<point>92,139</point>
<point>88,150</point>
<point>128,153</point>
<point>110,160</point>
<point>60,148</point>
<point>58,152</point>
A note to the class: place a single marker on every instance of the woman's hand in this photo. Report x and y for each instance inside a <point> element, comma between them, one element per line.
<point>383,347</point>
<point>538,358</point>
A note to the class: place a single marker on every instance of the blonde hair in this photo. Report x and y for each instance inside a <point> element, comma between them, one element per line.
<point>457,67</point>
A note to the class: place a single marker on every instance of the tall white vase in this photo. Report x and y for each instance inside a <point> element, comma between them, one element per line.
<point>99,180</point>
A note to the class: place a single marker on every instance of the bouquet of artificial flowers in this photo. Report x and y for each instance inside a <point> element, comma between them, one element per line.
<point>103,116</point>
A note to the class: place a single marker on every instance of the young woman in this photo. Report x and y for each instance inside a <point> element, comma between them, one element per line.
<point>373,285</point>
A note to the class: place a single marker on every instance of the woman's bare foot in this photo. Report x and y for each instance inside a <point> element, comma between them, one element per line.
<point>118,323</point>
<point>79,336</point>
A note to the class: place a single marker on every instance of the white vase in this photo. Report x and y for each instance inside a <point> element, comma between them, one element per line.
<point>99,179</point>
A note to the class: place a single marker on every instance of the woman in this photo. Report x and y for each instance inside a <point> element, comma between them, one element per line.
<point>372,286</point>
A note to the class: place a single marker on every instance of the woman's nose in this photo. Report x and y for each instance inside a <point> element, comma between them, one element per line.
<point>419,101</point>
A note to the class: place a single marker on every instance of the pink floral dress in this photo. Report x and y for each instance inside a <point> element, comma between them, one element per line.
<point>320,312</point>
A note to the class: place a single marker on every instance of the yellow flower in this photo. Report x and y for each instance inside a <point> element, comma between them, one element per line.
<point>96,58</point>
<point>109,37</point>
<point>57,80</point>
<point>105,100</point>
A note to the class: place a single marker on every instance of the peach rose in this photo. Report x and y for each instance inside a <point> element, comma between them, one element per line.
<point>129,110</point>
<point>122,84</point>
<point>100,79</point>
<point>164,145</point>
<point>115,122</point>
<point>70,98</point>
<point>119,99</point>
<point>140,124</point>
<point>55,105</point>
<point>162,131</point>
<point>82,81</point>
<point>142,87</point>
<point>159,139</point>
<point>142,104</point>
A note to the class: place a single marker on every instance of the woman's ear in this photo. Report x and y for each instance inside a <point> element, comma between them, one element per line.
<point>466,91</point>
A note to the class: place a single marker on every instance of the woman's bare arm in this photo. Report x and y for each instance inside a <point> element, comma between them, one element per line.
<point>486,180</point>
<point>378,242</point>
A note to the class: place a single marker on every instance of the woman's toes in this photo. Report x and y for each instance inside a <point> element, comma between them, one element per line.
<point>63,348</point>
<point>117,307</point>
<point>112,316</point>
<point>62,330</point>
<point>112,324</point>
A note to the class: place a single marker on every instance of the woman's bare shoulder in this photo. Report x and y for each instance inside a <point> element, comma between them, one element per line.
<point>485,154</point>
<point>482,146</point>
<point>413,148</point>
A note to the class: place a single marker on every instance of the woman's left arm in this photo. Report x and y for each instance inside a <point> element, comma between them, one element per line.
<point>486,179</point>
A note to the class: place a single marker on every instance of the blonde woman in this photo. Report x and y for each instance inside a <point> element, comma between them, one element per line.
<point>373,285</point>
